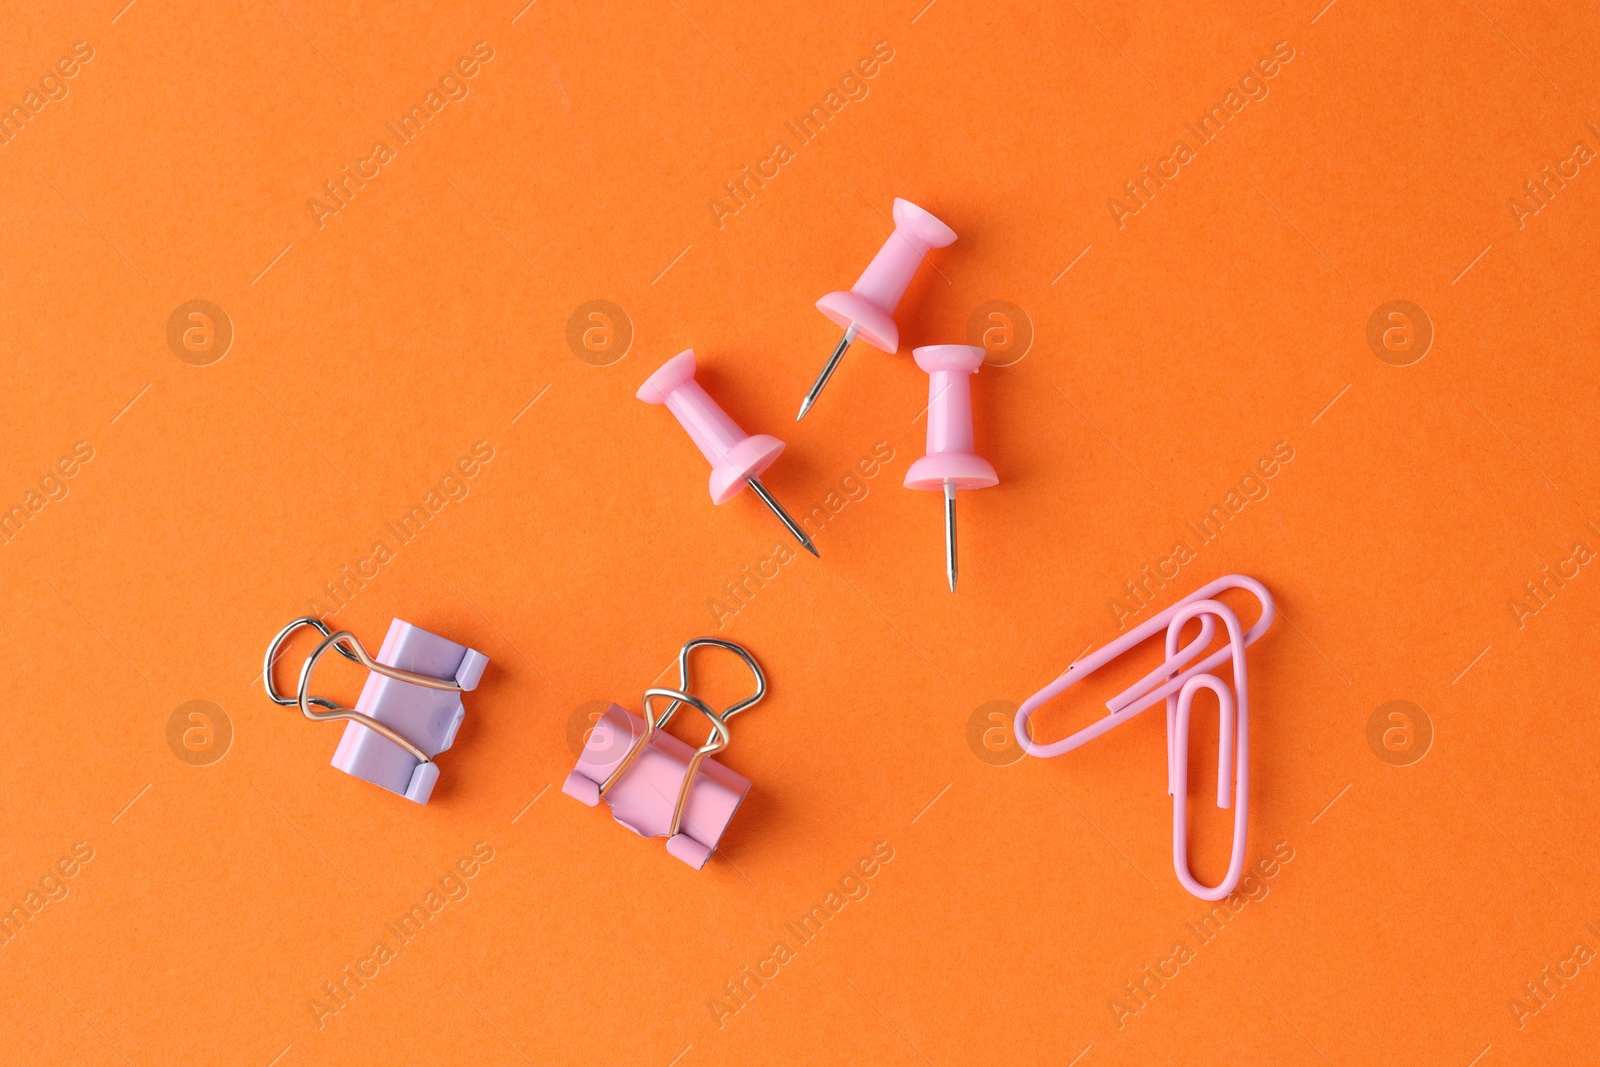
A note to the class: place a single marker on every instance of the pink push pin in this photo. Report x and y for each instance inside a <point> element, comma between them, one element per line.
<point>867,310</point>
<point>950,463</point>
<point>736,458</point>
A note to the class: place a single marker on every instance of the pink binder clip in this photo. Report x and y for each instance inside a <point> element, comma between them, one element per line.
<point>1177,684</point>
<point>409,709</point>
<point>655,784</point>
<point>867,310</point>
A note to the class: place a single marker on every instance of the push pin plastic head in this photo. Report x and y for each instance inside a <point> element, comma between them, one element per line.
<point>737,459</point>
<point>408,712</point>
<point>867,310</point>
<point>950,463</point>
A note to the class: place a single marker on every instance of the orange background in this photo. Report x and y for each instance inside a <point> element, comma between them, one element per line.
<point>369,354</point>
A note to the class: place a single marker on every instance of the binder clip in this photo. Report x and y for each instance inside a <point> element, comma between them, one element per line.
<point>409,709</point>
<point>655,784</point>
<point>1177,681</point>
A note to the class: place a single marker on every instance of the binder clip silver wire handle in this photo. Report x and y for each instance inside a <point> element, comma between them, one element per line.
<point>683,676</point>
<point>351,649</point>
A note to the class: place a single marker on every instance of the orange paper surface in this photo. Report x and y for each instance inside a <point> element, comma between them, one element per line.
<point>341,309</point>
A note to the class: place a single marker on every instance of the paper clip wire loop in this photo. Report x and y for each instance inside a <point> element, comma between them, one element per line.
<point>351,649</point>
<point>719,737</point>
<point>1177,684</point>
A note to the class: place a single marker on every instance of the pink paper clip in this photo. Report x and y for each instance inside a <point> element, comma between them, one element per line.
<point>1177,684</point>
<point>408,712</point>
<point>655,784</point>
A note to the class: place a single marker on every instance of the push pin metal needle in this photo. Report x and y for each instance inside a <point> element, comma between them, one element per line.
<point>950,463</point>
<point>737,459</point>
<point>950,534</point>
<point>867,310</point>
<point>827,371</point>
